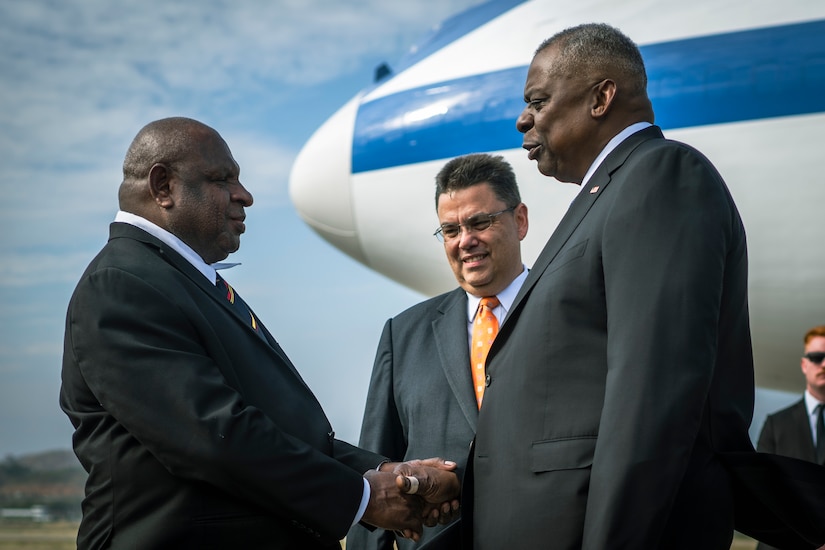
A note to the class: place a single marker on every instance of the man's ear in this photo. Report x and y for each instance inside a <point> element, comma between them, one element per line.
<point>160,177</point>
<point>521,220</point>
<point>603,94</point>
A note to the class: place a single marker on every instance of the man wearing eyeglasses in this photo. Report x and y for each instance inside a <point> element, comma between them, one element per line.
<point>425,391</point>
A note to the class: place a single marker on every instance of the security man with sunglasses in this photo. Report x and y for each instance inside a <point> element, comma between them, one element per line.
<point>799,430</point>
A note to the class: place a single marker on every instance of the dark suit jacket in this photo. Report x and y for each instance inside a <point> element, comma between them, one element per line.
<point>623,367</point>
<point>620,385</point>
<point>421,401</point>
<point>196,432</point>
<point>787,433</point>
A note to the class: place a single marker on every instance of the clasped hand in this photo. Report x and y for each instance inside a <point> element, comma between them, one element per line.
<point>396,503</point>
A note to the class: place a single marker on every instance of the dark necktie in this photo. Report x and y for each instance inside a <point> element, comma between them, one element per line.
<point>238,304</point>
<point>820,434</point>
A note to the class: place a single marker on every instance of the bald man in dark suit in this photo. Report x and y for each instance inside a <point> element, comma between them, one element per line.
<point>195,428</point>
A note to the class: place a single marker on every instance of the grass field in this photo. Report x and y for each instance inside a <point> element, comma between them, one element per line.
<point>61,536</point>
<point>741,542</point>
<point>17,535</point>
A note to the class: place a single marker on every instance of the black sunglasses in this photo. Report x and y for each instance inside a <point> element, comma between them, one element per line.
<point>815,357</point>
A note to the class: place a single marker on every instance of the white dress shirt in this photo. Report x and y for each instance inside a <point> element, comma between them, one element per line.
<point>611,145</point>
<point>811,403</point>
<point>506,298</point>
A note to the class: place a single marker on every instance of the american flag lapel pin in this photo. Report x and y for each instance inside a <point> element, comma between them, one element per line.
<point>594,190</point>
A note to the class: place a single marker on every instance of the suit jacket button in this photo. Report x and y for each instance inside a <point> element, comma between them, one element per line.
<point>487,380</point>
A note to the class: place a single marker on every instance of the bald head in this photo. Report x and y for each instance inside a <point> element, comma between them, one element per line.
<point>180,175</point>
<point>170,141</point>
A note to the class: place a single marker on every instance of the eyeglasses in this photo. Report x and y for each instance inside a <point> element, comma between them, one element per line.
<point>477,223</point>
<point>815,357</point>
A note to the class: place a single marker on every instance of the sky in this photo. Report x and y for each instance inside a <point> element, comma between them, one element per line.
<point>79,78</point>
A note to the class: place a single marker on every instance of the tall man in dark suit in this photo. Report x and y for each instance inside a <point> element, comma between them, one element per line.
<point>625,363</point>
<point>421,400</point>
<point>194,427</point>
<point>799,430</point>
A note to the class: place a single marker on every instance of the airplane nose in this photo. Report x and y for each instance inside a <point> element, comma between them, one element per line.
<point>320,182</point>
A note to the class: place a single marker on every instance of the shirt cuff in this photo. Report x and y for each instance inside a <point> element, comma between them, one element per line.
<point>365,499</point>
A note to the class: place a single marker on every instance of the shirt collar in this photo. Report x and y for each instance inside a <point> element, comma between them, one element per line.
<point>506,297</point>
<point>612,144</point>
<point>811,402</point>
<point>175,244</point>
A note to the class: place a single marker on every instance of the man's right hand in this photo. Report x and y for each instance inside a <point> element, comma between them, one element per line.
<point>390,508</point>
<point>435,482</point>
<point>397,505</point>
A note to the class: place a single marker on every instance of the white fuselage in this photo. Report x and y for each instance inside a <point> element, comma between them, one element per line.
<point>723,78</point>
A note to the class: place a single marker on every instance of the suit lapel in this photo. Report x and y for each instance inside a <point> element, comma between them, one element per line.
<point>804,436</point>
<point>196,277</point>
<point>579,208</point>
<point>219,295</point>
<point>450,335</point>
<point>170,256</point>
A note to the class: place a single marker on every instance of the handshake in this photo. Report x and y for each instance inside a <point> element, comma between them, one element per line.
<point>405,496</point>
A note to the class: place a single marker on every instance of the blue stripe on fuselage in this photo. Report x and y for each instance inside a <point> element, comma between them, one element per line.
<point>747,75</point>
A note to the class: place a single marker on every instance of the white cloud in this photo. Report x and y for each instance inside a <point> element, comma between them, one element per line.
<point>98,54</point>
<point>78,79</point>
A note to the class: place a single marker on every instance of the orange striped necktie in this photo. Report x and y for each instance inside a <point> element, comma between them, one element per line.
<point>485,328</point>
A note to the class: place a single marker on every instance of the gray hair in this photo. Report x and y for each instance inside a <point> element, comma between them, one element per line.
<point>600,51</point>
